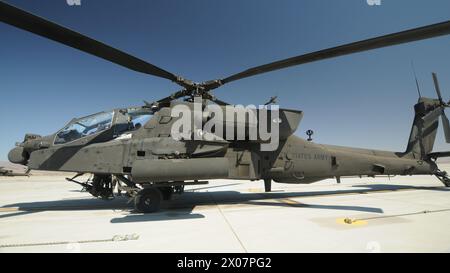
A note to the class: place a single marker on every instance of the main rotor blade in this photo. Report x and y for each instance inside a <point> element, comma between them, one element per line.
<point>446,126</point>
<point>40,26</point>
<point>407,36</point>
<point>219,102</point>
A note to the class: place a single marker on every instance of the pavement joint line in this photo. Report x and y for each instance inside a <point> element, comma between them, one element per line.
<point>115,238</point>
<point>229,225</point>
<point>63,208</point>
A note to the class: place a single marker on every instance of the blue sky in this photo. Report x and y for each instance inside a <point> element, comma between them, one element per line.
<point>363,100</point>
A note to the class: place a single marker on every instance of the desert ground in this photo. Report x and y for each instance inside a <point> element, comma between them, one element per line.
<point>45,213</point>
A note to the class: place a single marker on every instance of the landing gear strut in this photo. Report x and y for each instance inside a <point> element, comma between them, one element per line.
<point>268,185</point>
<point>102,186</point>
<point>166,192</point>
<point>147,198</point>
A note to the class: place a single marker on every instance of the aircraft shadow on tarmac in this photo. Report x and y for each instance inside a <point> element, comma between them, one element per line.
<point>183,206</point>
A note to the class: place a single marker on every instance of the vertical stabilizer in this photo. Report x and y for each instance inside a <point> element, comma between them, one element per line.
<point>426,121</point>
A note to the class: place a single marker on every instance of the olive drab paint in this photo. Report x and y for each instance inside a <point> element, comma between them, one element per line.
<point>153,151</point>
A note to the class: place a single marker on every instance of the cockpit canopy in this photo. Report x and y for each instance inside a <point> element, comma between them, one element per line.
<point>85,127</point>
<point>129,120</point>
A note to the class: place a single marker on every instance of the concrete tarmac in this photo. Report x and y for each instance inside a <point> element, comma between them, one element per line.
<point>401,214</point>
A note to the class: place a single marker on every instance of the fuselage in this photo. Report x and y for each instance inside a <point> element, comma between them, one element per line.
<point>302,161</point>
<point>296,160</point>
<point>118,142</point>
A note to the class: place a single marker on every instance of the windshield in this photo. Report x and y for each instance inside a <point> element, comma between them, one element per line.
<point>85,127</point>
<point>138,119</point>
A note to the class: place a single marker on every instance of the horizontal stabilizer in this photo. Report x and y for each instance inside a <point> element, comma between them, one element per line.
<point>439,154</point>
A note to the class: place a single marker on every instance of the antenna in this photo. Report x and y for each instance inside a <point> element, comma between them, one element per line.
<point>272,100</point>
<point>415,77</point>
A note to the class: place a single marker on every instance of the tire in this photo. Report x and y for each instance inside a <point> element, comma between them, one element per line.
<point>148,200</point>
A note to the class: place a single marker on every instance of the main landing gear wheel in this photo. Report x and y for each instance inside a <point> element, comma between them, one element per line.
<point>148,200</point>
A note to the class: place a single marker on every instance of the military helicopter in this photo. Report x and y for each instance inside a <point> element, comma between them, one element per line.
<point>6,172</point>
<point>133,149</point>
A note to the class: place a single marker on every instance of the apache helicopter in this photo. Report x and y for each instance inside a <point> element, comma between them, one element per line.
<point>132,148</point>
<point>6,172</point>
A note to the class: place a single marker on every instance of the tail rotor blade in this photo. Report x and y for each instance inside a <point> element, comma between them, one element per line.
<point>446,126</point>
<point>436,85</point>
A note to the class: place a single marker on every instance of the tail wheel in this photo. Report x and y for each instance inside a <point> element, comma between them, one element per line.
<point>148,200</point>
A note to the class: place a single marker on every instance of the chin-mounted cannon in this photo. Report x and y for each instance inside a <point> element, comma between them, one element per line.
<point>31,142</point>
